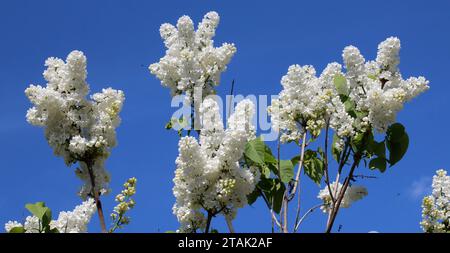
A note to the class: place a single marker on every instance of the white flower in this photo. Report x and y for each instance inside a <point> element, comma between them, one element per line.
<point>372,95</point>
<point>209,175</point>
<point>436,207</point>
<point>307,102</point>
<point>32,225</point>
<point>75,221</point>
<point>191,60</point>
<point>68,222</point>
<point>78,129</point>
<point>354,63</point>
<point>381,91</point>
<point>352,194</point>
<point>388,54</point>
<point>12,224</point>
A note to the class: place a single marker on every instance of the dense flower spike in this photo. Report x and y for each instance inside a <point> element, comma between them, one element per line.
<point>75,221</point>
<point>78,129</point>
<point>368,95</point>
<point>352,194</point>
<point>436,207</point>
<point>209,175</point>
<point>191,60</point>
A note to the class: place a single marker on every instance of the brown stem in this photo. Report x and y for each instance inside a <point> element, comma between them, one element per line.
<point>335,209</point>
<point>208,222</point>
<point>285,212</point>
<point>96,198</point>
<point>342,161</point>
<point>283,219</point>
<point>325,163</point>
<point>297,215</point>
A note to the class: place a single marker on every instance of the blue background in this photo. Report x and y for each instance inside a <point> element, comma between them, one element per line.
<point>121,38</point>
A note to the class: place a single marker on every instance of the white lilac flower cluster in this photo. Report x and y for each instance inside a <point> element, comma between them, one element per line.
<point>436,207</point>
<point>75,221</point>
<point>352,194</point>
<point>78,129</point>
<point>209,174</point>
<point>191,60</point>
<point>375,89</point>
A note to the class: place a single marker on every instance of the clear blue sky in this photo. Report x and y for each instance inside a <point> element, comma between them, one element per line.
<point>121,38</point>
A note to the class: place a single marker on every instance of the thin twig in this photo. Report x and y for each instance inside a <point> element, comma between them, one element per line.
<point>285,212</point>
<point>297,215</point>
<point>272,222</point>
<point>305,215</point>
<point>274,219</point>
<point>229,224</point>
<point>364,176</point>
<point>231,98</point>
<point>297,178</point>
<point>300,165</point>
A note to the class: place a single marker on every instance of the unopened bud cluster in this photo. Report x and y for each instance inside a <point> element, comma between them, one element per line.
<point>125,203</point>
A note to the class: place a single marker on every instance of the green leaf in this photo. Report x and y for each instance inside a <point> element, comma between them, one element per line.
<point>273,190</point>
<point>397,142</point>
<point>255,151</point>
<point>373,77</point>
<point>54,231</point>
<point>268,156</point>
<point>341,84</point>
<point>43,213</point>
<point>378,148</point>
<point>361,141</point>
<point>378,163</point>
<point>273,167</point>
<point>170,232</point>
<point>343,98</point>
<point>266,184</point>
<point>295,160</point>
<point>278,196</point>
<point>214,231</point>
<point>17,230</point>
<point>265,170</point>
<point>350,108</point>
<point>334,151</point>
<point>314,167</point>
<point>46,219</point>
<point>286,171</point>
<point>38,209</point>
<point>252,197</point>
<point>168,125</point>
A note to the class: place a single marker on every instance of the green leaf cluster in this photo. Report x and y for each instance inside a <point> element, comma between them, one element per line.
<point>43,213</point>
<point>314,165</point>
<point>274,175</point>
<point>374,153</point>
